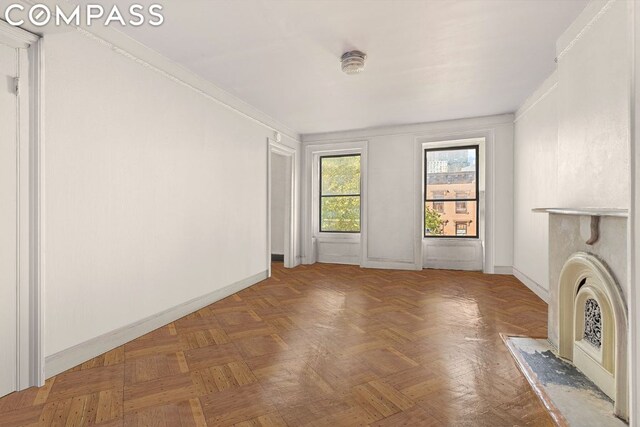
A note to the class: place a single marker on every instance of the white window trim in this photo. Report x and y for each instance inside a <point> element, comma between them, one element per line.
<point>311,219</point>
<point>485,141</point>
<point>480,142</point>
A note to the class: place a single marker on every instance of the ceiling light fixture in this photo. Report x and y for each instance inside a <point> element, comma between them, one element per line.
<point>353,62</point>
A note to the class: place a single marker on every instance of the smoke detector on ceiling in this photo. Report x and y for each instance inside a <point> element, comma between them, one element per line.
<point>353,62</point>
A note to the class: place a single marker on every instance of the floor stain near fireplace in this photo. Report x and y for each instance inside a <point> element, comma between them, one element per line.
<point>573,399</point>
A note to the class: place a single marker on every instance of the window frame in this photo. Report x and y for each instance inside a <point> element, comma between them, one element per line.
<point>462,209</point>
<point>320,196</point>
<point>476,148</point>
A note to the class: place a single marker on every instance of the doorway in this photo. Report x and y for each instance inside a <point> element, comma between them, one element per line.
<point>278,208</point>
<point>281,206</point>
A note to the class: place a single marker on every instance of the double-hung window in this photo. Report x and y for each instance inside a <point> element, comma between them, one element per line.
<point>340,193</point>
<point>451,192</point>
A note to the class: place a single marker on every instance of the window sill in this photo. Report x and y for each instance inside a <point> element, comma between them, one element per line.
<point>449,238</point>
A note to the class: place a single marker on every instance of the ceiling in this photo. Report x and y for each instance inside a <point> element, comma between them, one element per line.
<point>427,60</point>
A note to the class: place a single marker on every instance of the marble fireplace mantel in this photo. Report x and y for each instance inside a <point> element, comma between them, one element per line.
<point>585,211</point>
<point>594,213</point>
<point>598,235</point>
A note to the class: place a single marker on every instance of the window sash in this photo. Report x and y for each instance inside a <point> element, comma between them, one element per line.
<point>326,196</point>
<point>450,199</point>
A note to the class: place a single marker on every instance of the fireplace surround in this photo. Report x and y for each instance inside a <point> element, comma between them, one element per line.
<point>588,291</point>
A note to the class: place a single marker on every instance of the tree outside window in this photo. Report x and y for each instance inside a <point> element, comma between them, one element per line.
<point>340,194</point>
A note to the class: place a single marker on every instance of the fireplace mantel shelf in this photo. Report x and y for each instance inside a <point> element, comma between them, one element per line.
<point>594,213</point>
<point>621,213</point>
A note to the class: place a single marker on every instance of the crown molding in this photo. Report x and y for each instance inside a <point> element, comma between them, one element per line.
<point>544,90</point>
<point>581,26</point>
<point>16,38</point>
<point>132,49</point>
<point>416,129</point>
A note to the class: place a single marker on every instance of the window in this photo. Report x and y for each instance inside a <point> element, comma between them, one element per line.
<point>461,229</point>
<point>340,194</point>
<point>438,206</point>
<point>451,192</point>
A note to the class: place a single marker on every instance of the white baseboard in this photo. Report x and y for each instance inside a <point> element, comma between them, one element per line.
<point>533,285</point>
<point>80,353</point>
<point>502,269</point>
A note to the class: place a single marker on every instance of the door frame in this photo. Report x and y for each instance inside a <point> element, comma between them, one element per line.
<point>290,228</point>
<point>30,197</point>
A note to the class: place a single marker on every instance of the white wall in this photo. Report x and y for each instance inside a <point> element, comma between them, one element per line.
<point>593,108</point>
<point>155,192</point>
<point>572,135</point>
<point>535,185</point>
<point>278,193</point>
<point>393,226</point>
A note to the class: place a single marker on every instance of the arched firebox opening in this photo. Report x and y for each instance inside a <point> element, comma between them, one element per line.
<point>593,326</point>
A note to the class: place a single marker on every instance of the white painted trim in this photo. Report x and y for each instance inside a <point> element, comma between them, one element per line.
<point>73,356</point>
<point>310,224</point>
<point>535,287</point>
<point>418,211</point>
<point>633,238</point>
<point>585,21</point>
<point>184,77</point>
<point>503,269</point>
<point>390,264</point>
<point>24,308</point>
<point>291,201</point>
<point>485,140</point>
<point>16,38</point>
<point>544,90</point>
<point>445,127</point>
<point>30,327</point>
<point>37,204</point>
<point>123,44</point>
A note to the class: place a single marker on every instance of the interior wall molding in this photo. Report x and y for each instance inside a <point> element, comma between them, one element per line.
<point>537,289</point>
<point>80,353</point>
<point>311,239</point>
<point>607,6</point>
<point>502,269</point>
<point>30,199</point>
<point>292,203</point>
<point>390,264</point>
<point>535,99</point>
<point>428,129</point>
<point>134,50</point>
<point>172,75</point>
<point>16,38</point>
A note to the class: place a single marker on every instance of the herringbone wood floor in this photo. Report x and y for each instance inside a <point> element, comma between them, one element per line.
<point>317,345</point>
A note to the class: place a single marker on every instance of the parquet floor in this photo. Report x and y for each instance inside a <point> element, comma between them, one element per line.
<point>321,345</point>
